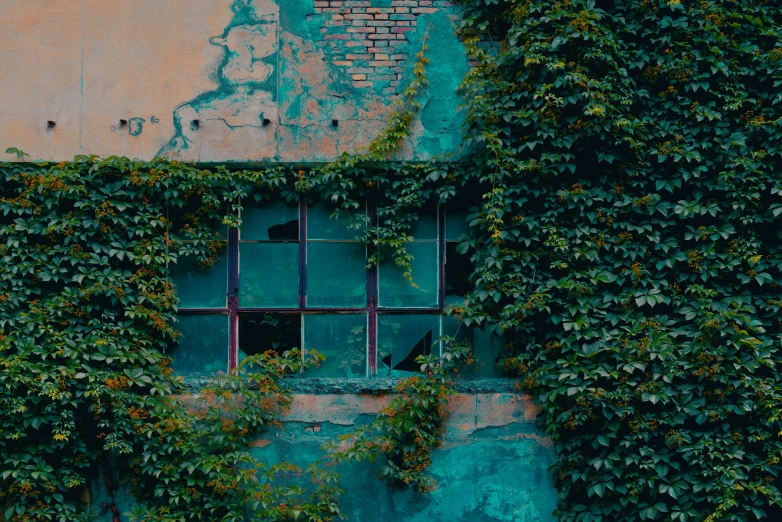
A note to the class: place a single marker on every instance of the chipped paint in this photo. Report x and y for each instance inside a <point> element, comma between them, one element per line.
<point>264,79</point>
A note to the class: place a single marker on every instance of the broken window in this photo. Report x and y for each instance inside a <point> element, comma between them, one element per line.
<point>261,332</point>
<point>401,339</point>
<point>269,256</point>
<point>294,275</point>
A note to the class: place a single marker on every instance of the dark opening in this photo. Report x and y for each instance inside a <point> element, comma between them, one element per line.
<point>288,231</point>
<point>335,123</point>
<point>261,332</point>
<point>51,124</point>
<point>122,123</point>
<point>266,121</point>
<point>458,271</point>
<point>195,124</point>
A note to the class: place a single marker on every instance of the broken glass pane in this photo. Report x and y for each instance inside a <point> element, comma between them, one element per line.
<point>269,275</point>
<point>402,338</point>
<point>271,221</point>
<point>397,292</point>
<point>320,224</point>
<point>203,348</point>
<point>197,287</point>
<point>342,338</point>
<point>336,275</point>
<point>259,332</point>
<point>487,347</point>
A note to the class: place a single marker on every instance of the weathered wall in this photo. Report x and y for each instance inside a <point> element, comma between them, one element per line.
<point>254,81</point>
<point>492,467</point>
<point>266,80</point>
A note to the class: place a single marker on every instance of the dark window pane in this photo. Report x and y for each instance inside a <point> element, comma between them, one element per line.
<point>275,221</point>
<point>455,224</point>
<point>269,275</point>
<point>425,227</point>
<point>402,338</point>
<point>342,338</point>
<point>458,270</point>
<point>488,348</point>
<point>396,291</point>
<point>320,224</point>
<point>259,332</point>
<point>203,348</point>
<point>200,287</point>
<point>336,275</point>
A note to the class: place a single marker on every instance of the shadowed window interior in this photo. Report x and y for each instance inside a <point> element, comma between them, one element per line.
<point>295,275</point>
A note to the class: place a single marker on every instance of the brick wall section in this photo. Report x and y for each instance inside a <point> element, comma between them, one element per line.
<point>368,41</point>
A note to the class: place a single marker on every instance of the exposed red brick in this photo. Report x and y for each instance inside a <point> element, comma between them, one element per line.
<point>382,36</point>
<point>401,30</point>
<point>363,84</point>
<point>382,64</point>
<point>342,36</point>
<point>424,10</point>
<point>343,63</point>
<point>361,29</point>
<point>359,76</point>
<point>350,56</point>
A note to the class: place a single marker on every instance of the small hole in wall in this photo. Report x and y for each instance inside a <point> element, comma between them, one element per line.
<point>335,123</point>
<point>266,121</point>
<point>122,123</point>
<point>50,124</point>
<point>195,124</point>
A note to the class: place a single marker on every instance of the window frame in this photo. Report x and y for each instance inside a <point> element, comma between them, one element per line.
<point>371,308</point>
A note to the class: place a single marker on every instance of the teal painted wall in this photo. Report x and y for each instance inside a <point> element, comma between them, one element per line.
<point>492,467</point>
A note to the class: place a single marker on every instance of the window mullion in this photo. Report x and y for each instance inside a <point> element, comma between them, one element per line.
<point>372,302</point>
<point>302,253</point>
<point>233,296</point>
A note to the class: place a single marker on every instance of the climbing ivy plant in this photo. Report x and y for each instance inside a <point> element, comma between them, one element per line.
<point>625,241</point>
<point>629,247</point>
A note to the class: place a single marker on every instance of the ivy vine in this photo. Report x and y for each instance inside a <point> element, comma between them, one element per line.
<point>625,167</point>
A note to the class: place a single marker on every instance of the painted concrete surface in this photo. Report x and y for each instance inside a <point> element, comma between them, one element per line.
<point>222,80</point>
<point>492,467</point>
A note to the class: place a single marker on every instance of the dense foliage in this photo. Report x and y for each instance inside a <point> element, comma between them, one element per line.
<point>625,245</point>
<point>630,246</point>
